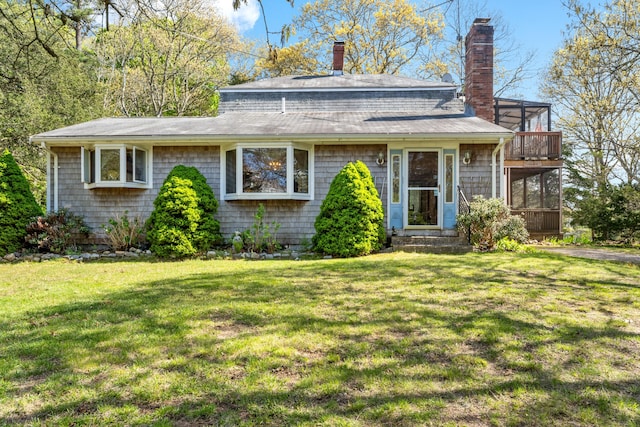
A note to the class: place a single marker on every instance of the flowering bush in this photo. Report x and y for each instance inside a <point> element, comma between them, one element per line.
<point>490,221</point>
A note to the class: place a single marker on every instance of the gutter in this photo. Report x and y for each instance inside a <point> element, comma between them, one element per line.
<point>500,148</point>
<point>320,139</point>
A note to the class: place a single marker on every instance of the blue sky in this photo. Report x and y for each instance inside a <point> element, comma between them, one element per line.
<point>536,25</point>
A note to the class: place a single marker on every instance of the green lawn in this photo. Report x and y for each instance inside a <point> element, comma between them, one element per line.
<point>395,340</point>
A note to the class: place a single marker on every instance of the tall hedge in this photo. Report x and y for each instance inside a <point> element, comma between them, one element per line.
<point>351,219</point>
<point>17,205</point>
<point>182,222</point>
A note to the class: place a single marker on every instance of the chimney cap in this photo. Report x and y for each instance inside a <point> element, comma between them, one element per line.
<point>481,21</point>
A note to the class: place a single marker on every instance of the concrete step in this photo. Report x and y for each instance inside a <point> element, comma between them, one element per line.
<point>431,244</point>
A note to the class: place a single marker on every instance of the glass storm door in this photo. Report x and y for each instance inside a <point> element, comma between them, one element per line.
<point>423,188</point>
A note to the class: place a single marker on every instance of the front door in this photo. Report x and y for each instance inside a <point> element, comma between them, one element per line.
<point>423,181</point>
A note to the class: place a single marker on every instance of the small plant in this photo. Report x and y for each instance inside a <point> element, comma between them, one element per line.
<point>507,244</point>
<point>56,232</point>
<point>306,245</point>
<point>237,242</point>
<point>262,236</point>
<point>124,233</point>
<point>489,221</point>
<point>577,238</point>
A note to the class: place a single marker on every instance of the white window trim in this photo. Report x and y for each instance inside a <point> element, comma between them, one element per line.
<point>288,195</point>
<point>122,182</point>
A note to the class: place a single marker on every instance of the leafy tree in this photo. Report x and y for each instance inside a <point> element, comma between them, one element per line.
<point>166,63</point>
<point>595,96</point>
<point>17,205</point>
<point>39,92</point>
<point>380,36</point>
<point>611,214</point>
<point>289,60</point>
<point>598,112</point>
<point>182,222</point>
<point>351,218</point>
<point>51,25</point>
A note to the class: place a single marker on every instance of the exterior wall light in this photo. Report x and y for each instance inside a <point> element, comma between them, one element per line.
<point>466,159</point>
<point>380,160</point>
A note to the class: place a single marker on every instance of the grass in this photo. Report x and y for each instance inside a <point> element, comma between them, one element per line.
<point>396,339</point>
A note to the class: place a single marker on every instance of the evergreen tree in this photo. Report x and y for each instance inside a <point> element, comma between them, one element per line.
<point>17,205</point>
<point>182,222</point>
<point>351,218</point>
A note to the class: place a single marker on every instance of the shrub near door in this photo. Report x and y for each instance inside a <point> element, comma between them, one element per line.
<point>351,216</point>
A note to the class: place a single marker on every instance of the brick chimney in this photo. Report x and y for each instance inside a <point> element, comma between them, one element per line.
<point>338,58</point>
<point>478,85</point>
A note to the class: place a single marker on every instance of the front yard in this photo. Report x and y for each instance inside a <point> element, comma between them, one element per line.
<point>396,339</point>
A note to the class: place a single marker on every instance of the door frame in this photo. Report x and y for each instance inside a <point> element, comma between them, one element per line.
<point>405,189</point>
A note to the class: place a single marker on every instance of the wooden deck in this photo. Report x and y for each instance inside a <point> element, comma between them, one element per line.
<point>535,145</point>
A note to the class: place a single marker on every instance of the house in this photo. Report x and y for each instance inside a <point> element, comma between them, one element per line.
<point>281,141</point>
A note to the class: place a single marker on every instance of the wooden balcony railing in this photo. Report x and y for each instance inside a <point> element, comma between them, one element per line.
<point>534,145</point>
<point>540,221</point>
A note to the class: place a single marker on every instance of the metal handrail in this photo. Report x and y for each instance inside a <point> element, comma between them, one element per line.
<point>464,207</point>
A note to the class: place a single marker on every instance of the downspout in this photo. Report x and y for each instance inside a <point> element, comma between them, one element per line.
<point>493,167</point>
<point>52,199</point>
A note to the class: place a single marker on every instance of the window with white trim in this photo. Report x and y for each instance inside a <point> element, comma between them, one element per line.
<point>267,171</point>
<point>120,165</point>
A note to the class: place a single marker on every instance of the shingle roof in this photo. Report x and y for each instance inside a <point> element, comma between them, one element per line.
<point>264,126</point>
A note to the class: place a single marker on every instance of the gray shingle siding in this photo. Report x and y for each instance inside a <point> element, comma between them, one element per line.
<point>296,218</point>
<point>475,178</point>
<point>407,100</point>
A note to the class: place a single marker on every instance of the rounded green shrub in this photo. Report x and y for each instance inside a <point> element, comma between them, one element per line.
<point>351,219</point>
<point>490,221</point>
<point>182,222</point>
<point>17,205</point>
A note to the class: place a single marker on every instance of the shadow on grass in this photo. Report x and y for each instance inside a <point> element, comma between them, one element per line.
<point>410,342</point>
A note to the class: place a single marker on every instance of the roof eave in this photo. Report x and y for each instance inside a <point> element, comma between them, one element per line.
<point>167,140</point>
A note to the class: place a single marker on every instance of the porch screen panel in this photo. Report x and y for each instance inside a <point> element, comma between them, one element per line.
<point>551,189</point>
<point>533,192</point>
<point>517,193</point>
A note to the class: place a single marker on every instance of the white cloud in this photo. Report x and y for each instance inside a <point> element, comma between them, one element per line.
<point>244,18</point>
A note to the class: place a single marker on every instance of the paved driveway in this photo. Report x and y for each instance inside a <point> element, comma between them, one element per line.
<point>594,253</point>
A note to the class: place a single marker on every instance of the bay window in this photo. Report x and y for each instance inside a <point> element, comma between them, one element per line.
<point>273,171</point>
<point>116,166</point>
